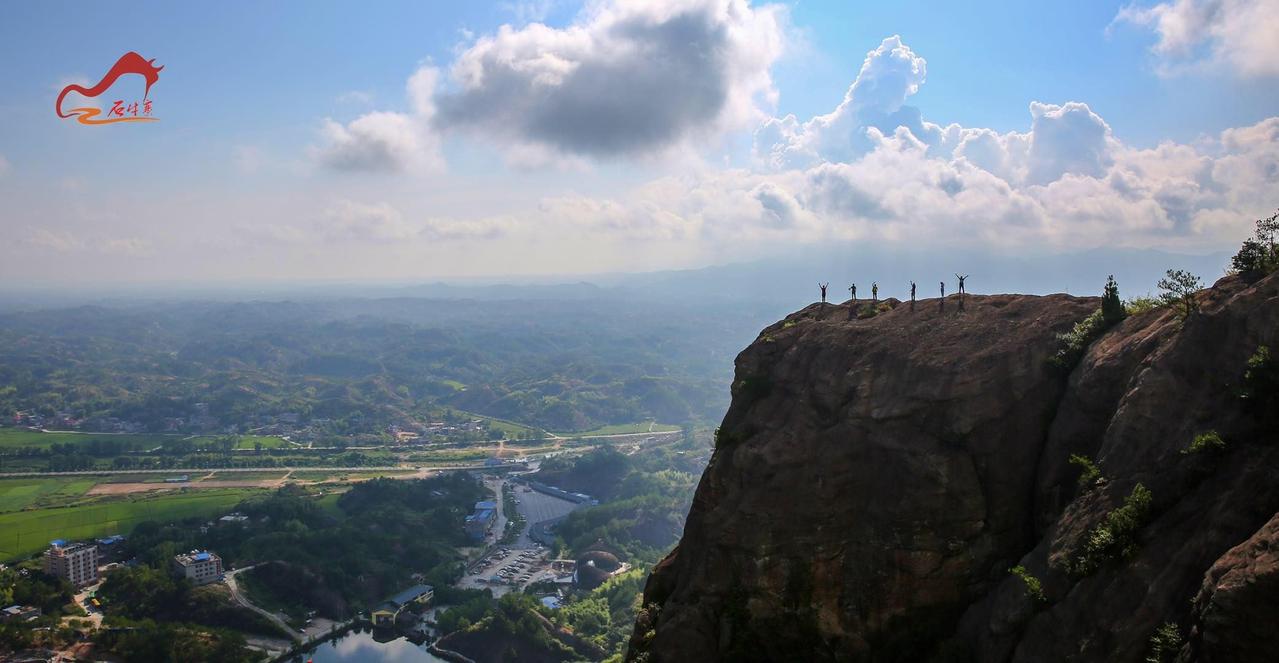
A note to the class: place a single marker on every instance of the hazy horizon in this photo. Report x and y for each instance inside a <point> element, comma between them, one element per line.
<point>564,138</point>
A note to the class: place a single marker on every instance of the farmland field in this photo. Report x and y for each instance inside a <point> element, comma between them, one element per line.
<point>267,441</point>
<point>622,429</point>
<point>321,475</point>
<point>25,532</point>
<point>13,438</point>
<point>234,475</point>
<point>511,428</point>
<point>18,494</point>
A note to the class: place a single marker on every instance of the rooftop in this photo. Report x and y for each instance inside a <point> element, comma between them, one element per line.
<point>410,594</point>
<point>194,556</point>
<point>482,514</point>
<point>61,547</point>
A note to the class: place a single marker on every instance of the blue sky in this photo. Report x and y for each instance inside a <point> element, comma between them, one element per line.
<point>623,136</point>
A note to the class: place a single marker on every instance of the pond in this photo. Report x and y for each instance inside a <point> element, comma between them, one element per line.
<point>363,646</point>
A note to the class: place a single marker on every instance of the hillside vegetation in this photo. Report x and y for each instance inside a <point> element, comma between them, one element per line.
<point>360,365</point>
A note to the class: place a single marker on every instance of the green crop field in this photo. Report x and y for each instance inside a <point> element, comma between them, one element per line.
<point>321,475</point>
<point>268,442</point>
<point>25,532</point>
<point>13,438</point>
<point>240,475</point>
<point>622,429</point>
<point>511,428</point>
<point>18,494</point>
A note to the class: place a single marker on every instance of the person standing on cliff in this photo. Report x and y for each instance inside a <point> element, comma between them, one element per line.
<point>852,305</point>
<point>961,289</point>
<point>823,287</point>
<point>874,292</point>
<point>852,292</point>
<point>941,303</point>
<point>912,295</point>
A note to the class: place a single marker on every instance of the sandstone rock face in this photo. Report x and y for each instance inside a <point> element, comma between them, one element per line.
<point>875,479</point>
<point>1237,608</point>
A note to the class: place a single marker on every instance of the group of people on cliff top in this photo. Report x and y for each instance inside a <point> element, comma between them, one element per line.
<point>874,289</point>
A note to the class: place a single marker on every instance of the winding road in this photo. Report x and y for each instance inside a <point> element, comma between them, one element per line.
<point>244,601</point>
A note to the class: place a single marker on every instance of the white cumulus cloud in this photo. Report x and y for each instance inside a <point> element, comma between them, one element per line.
<point>874,169</point>
<point>1239,34</point>
<point>383,141</point>
<point>625,78</point>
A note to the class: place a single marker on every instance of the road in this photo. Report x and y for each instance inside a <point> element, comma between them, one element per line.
<point>81,597</point>
<point>244,601</point>
<point>196,470</point>
<point>421,470</point>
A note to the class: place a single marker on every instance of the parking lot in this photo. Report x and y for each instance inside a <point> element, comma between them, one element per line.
<point>524,562</point>
<point>536,507</point>
<point>508,569</point>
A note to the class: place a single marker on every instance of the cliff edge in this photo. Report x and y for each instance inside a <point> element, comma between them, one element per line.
<point>877,476</point>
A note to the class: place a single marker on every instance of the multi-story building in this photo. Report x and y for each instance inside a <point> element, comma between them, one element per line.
<point>478,523</point>
<point>74,562</point>
<point>201,567</point>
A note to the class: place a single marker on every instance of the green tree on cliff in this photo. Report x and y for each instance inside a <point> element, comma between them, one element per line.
<point>1259,254</point>
<point>1179,288</point>
<point>1112,308</point>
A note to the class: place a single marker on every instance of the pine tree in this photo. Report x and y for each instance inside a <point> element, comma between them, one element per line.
<point>1112,309</point>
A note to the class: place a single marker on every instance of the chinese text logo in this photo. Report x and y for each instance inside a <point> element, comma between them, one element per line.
<point>121,110</point>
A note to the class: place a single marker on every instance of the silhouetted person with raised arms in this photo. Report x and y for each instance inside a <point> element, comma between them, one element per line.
<point>912,295</point>
<point>961,289</point>
<point>823,287</point>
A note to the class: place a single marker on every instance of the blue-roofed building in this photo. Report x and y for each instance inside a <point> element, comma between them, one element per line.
<point>488,504</point>
<point>478,523</point>
<point>201,567</point>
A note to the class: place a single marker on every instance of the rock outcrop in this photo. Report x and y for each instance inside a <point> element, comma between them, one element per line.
<point>877,477</point>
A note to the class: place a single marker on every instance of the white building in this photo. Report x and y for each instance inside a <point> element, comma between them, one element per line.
<point>201,567</point>
<point>75,562</point>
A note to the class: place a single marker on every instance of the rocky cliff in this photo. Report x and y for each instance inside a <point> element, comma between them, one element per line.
<point>877,477</point>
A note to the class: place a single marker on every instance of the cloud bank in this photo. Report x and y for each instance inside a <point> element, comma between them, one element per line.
<point>874,169</point>
<point>629,79</point>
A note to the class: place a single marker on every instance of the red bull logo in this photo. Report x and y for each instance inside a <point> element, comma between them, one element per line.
<point>120,111</point>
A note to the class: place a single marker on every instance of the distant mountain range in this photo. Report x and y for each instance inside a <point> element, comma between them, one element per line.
<point>777,284</point>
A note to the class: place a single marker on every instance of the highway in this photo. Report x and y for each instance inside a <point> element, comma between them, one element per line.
<point>419,469</point>
<point>199,470</point>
